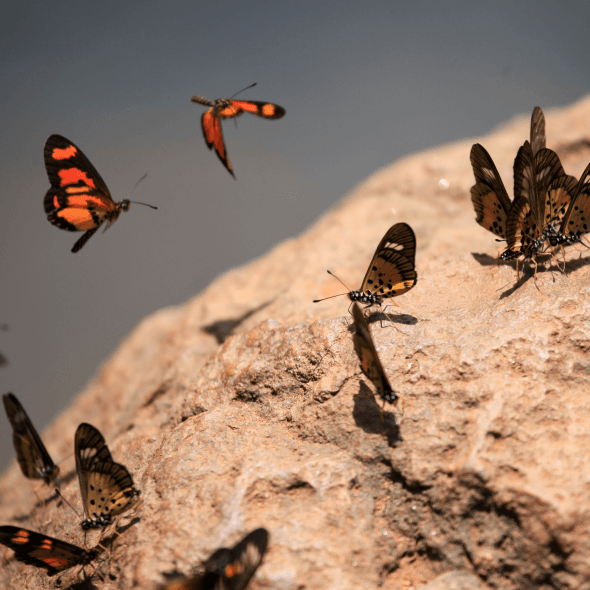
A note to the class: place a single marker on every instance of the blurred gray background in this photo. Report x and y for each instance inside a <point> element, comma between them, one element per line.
<point>363,84</point>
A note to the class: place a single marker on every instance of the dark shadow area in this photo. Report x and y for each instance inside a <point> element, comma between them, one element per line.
<point>368,416</point>
<point>223,329</point>
<point>572,147</point>
<point>85,584</point>
<point>484,259</point>
<point>387,317</point>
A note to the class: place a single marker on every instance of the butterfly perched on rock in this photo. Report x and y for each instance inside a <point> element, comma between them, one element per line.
<point>31,454</point>
<point>489,196</point>
<point>78,199</point>
<point>392,271</point>
<point>227,569</point>
<point>369,359</point>
<point>542,195</point>
<point>46,552</point>
<point>107,487</point>
<point>228,108</point>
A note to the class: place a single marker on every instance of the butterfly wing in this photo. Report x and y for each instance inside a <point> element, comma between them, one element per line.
<point>392,270</point>
<point>42,551</point>
<point>369,360</point>
<point>31,454</point>
<point>228,569</point>
<point>106,487</point>
<point>235,567</point>
<point>211,126</point>
<point>522,231</point>
<point>266,110</point>
<point>538,138</point>
<point>576,220</point>
<point>532,176</point>
<point>489,197</point>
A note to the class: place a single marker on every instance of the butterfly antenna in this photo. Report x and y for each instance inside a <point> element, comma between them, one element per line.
<point>61,496</point>
<point>332,296</point>
<point>242,90</point>
<point>140,203</point>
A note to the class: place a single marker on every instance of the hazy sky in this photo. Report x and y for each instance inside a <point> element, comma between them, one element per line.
<point>363,83</point>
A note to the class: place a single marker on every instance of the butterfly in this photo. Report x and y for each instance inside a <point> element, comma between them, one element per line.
<point>227,108</point>
<point>228,569</point>
<point>369,360</point>
<point>106,487</point>
<point>489,196</point>
<point>576,220</point>
<point>31,454</point>
<point>42,551</point>
<point>542,193</point>
<point>78,199</point>
<point>392,270</point>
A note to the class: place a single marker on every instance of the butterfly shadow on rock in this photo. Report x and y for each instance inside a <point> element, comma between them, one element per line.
<point>85,584</point>
<point>368,416</point>
<point>223,329</point>
<point>484,259</point>
<point>381,316</point>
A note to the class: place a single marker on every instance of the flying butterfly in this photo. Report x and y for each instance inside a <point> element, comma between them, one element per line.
<point>489,197</point>
<point>46,552</point>
<point>227,569</point>
<point>369,359</point>
<point>106,487</point>
<point>542,192</point>
<point>392,271</point>
<point>78,199</point>
<point>31,454</point>
<point>227,108</point>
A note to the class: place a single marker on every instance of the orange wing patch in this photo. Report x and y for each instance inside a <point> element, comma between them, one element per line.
<point>65,153</point>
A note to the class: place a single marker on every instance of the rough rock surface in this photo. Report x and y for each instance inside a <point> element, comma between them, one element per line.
<point>245,407</point>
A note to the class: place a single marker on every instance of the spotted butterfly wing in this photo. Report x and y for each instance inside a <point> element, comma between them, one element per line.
<point>488,195</point>
<point>31,454</point>
<point>369,359</point>
<point>45,552</point>
<point>78,199</point>
<point>392,271</point>
<point>228,569</point>
<point>576,221</point>
<point>224,108</point>
<point>107,487</point>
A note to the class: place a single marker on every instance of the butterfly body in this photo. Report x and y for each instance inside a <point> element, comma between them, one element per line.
<point>45,552</point>
<point>368,358</point>
<point>78,199</point>
<point>31,454</point>
<point>226,108</point>
<point>228,569</point>
<point>107,487</point>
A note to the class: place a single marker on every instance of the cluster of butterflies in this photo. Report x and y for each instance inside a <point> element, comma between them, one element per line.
<point>79,200</point>
<point>550,208</point>
<point>107,491</point>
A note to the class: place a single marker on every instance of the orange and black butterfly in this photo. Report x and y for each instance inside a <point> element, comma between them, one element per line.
<point>106,487</point>
<point>489,196</point>
<point>228,569</point>
<point>31,454</point>
<point>78,199</point>
<point>369,359</point>
<point>392,271</point>
<point>42,551</point>
<point>227,108</point>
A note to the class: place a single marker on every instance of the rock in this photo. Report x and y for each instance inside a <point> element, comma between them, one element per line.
<point>245,407</point>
